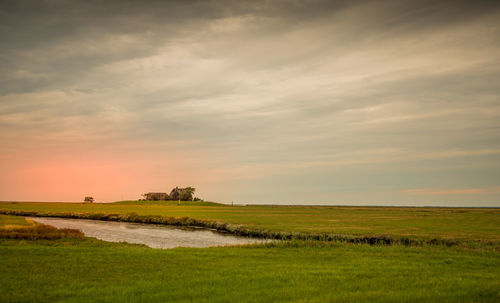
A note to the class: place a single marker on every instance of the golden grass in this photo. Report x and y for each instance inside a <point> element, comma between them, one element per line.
<point>39,232</point>
<point>27,229</point>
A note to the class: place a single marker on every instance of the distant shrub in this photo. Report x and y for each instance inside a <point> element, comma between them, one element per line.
<point>39,232</point>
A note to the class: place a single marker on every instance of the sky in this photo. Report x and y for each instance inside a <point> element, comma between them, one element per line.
<point>283,102</point>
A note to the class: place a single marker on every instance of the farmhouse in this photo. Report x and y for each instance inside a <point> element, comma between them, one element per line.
<point>177,193</point>
<point>184,194</point>
<point>155,196</point>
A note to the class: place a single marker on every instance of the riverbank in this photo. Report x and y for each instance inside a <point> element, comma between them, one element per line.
<point>151,235</point>
<point>83,269</point>
<point>372,225</point>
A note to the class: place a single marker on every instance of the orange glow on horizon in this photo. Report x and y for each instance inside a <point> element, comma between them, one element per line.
<point>106,176</point>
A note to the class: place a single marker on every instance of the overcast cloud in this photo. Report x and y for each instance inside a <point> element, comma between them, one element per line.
<point>340,102</point>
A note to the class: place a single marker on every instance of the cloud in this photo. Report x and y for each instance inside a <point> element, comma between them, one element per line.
<point>261,89</point>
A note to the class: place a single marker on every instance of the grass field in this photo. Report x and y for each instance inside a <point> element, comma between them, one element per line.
<point>449,223</point>
<point>74,269</point>
<point>7,222</point>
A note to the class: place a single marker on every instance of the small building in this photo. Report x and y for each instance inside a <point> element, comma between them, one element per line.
<point>155,196</point>
<point>175,193</point>
<point>183,194</point>
<point>88,199</point>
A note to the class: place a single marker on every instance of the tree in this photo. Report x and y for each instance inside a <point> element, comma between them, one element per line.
<point>186,194</point>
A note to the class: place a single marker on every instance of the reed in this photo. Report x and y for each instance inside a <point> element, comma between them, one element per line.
<point>242,231</point>
<point>39,232</point>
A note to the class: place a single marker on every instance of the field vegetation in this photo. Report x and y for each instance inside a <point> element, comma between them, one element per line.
<point>21,228</point>
<point>76,269</point>
<point>447,224</point>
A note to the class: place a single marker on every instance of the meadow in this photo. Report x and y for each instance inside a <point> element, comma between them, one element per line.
<point>74,269</point>
<point>463,224</point>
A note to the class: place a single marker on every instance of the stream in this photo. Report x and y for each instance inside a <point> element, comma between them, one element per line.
<point>155,236</point>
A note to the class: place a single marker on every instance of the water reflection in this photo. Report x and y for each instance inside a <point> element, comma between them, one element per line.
<point>156,236</point>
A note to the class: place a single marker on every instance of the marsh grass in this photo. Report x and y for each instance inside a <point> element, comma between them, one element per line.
<point>169,203</point>
<point>243,231</point>
<point>83,270</point>
<point>14,221</point>
<point>461,224</point>
<point>25,229</point>
<point>39,232</point>
<point>79,269</point>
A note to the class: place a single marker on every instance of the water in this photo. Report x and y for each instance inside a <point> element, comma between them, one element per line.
<point>155,236</point>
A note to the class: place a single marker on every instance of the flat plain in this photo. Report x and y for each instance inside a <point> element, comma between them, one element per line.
<point>448,223</point>
<point>73,269</point>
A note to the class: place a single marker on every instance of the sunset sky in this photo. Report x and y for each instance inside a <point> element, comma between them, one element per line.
<point>286,102</point>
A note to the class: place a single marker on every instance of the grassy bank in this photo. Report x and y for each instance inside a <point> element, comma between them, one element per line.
<point>447,224</point>
<point>88,270</point>
<point>258,233</point>
<point>7,222</point>
<point>24,229</point>
<point>76,269</point>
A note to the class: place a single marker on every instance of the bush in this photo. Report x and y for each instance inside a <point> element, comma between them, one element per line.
<point>38,232</point>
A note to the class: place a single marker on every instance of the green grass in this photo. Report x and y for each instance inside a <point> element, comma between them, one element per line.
<point>89,270</point>
<point>171,203</point>
<point>6,221</point>
<point>82,270</point>
<point>449,223</point>
<point>20,228</point>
